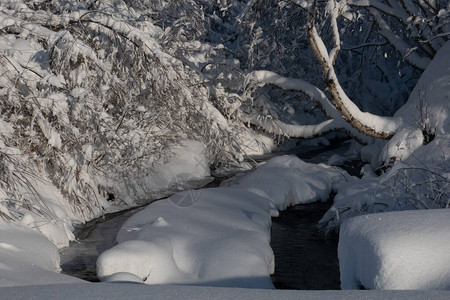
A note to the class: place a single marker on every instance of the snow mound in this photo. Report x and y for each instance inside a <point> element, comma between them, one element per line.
<point>28,258</point>
<point>287,180</point>
<point>217,237</point>
<point>406,250</point>
<point>185,169</point>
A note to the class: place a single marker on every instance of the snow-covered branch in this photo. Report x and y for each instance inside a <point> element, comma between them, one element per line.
<point>335,122</point>
<point>399,44</point>
<point>407,24</point>
<point>366,123</point>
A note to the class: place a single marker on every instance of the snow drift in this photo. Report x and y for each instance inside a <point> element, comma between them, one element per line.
<point>406,250</point>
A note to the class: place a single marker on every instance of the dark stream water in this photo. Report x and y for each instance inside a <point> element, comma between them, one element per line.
<point>80,258</point>
<point>304,258</point>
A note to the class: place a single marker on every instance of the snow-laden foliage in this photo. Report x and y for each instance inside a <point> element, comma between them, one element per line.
<point>372,72</point>
<point>96,95</point>
<point>99,92</point>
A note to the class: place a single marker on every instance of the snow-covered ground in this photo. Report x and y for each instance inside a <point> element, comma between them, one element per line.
<point>142,291</point>
<point>219,236</point>
<point>165,244</point>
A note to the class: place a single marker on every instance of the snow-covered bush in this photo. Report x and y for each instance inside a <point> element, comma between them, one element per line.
<point>96,95</point>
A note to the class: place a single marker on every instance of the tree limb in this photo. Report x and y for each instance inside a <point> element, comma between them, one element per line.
<point>365,123</point>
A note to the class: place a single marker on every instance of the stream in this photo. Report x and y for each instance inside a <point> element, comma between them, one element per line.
<point>304,259</point>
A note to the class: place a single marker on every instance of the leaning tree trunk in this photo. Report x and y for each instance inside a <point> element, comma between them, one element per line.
<point>365,123</point>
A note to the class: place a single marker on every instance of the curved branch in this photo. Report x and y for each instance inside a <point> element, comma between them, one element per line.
<point>292,130</point>
<point>335,122</point>
<point>365,123</point>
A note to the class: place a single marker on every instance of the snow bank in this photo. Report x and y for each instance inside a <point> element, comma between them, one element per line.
<point>406,250</point>
<point>187,167</point>
<point>215,237</point>
<point>28,258</point>
<point>426,112</point>
<point>187,164</point>
<point>288,180</point>
<point>253,143</point>
<point>211,237</point>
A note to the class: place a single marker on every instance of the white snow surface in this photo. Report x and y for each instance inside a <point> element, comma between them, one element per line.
<point>288,180</point>
<point>406,250</point>
<point>28,258</point>
<point>211,237</point>
<point>219,236</point>
<point>142,291</point>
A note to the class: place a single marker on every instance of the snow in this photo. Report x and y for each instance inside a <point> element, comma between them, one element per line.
<point>219,236</point>
<point>287,180</point>
<point>189,162</point>
<point>415,173</point>
<point>406,250</point>
<point>252,143</point>
<point>335,122</point>
<point>141,291</point>
<point>187,167</point>
<point>213,236</point>
<point>194,237</point>
<point>427,108</point>
<point>28,258</point>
